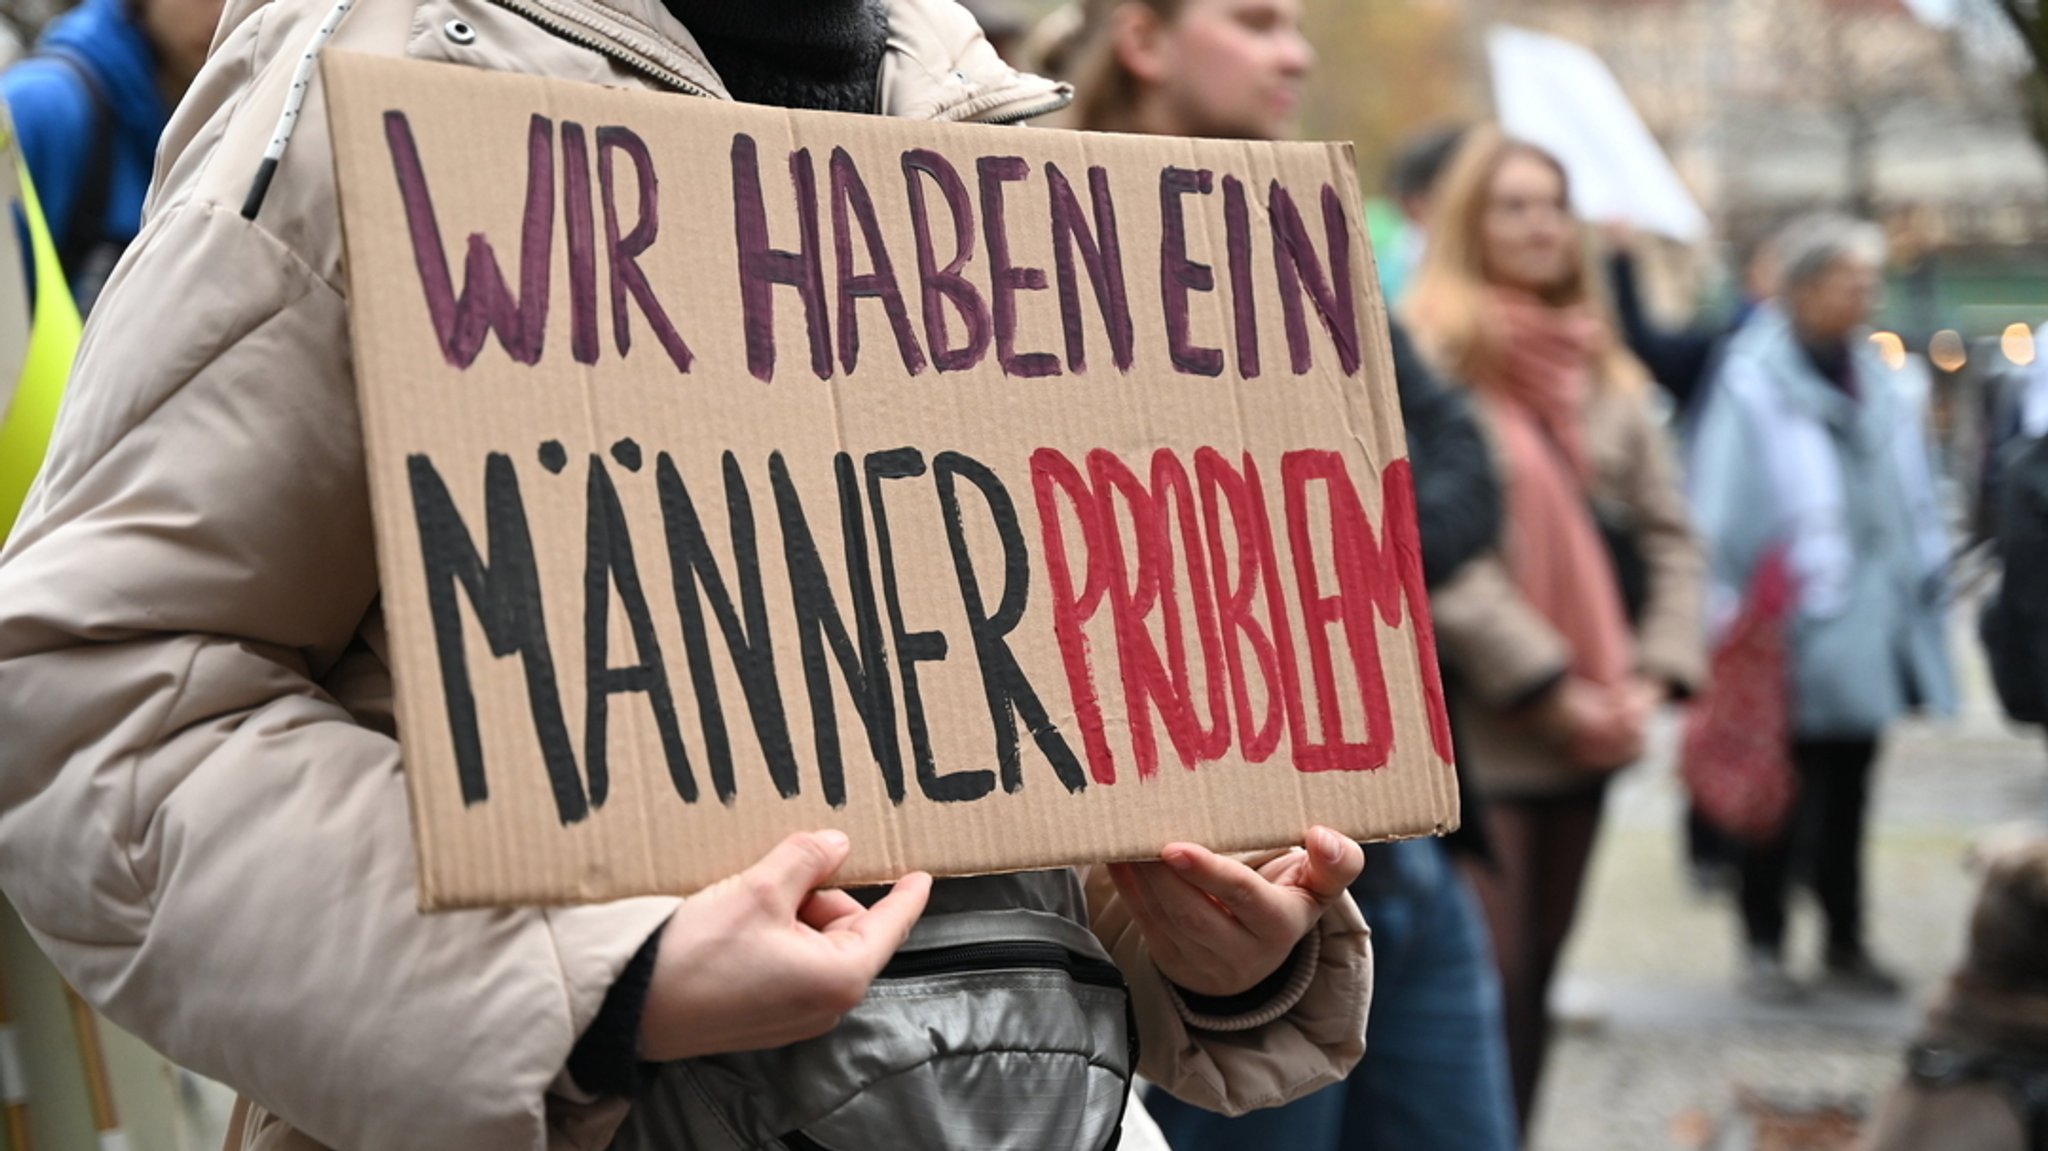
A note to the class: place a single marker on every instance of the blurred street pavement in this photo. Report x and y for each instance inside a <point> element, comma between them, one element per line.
<point>1655,1046</point>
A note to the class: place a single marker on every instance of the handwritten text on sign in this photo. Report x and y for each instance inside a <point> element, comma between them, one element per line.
<point>1113,484</point>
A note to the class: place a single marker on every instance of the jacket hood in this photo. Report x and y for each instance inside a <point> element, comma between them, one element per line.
<point>104,36</point>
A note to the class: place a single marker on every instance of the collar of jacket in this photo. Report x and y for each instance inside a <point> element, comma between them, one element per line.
<point>1768,336</point>
<point>938,65</point>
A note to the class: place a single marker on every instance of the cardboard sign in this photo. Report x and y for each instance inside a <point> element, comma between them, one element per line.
<point>1008,498</point>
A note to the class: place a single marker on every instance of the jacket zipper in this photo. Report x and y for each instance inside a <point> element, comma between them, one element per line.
<point>576,35</point>
<point>1045,109</point>
<point>1009,955</point>
<point>975,110</point>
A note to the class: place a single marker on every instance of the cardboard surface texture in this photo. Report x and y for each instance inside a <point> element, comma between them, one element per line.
<point>1005,497</point>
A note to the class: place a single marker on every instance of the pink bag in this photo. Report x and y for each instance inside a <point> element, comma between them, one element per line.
<point>1736,757</point>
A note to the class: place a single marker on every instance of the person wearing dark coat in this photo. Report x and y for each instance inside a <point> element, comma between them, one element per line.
<point>1679,359</point>
<point>1682,360</point>
<point>1436,1063</point>
<point>1457,501</point>
<point>1437,1070</point>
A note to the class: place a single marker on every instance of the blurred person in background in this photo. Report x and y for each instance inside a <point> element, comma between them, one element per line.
<point>1812,447</point>
<point>1435,1075</point>
<point>88,107</point>
<point>1682,360</point>
<point>1977,1075</point>
<point>1226,69</point>
<point>2012,514</point>
<point>1005,24</point>
<point>1412,178</point>
<point>1585,620</point>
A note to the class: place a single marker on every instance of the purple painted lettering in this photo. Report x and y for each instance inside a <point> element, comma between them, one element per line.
<point>1178,275</point>
<point>1006,278</point>
<point>1237,245</point>
<point>622,253</point>
<point>946,285</point>
<point>850,199</point>
<point>763,267</point>
<point>1296,263</point>
<point>486,304</point>
<point>1103,257</point>
<point>576,216</point>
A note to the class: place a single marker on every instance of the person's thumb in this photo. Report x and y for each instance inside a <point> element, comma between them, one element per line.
<point>1333,862</point>
<point>797,866</point>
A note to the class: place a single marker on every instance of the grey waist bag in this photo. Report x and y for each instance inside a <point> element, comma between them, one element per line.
<point>1002,1030</point>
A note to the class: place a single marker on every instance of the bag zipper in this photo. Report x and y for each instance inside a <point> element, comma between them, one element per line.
<point>1007,955</point>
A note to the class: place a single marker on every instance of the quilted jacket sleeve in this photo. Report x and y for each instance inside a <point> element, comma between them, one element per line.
<point>1310,1037</point>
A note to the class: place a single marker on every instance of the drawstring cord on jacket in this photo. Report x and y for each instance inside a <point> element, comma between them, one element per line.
<point>288,120</point>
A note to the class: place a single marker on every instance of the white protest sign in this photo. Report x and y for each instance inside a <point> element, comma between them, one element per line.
<point>1561,97</point>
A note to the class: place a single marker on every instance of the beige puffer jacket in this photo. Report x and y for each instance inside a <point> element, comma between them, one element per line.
<point>202,813</point>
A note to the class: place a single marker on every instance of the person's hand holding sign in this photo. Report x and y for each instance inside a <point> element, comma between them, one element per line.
<point>765,959</point>
<point>1217,927</point>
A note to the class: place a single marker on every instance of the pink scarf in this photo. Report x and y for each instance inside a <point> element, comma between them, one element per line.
<point>1537,391</point>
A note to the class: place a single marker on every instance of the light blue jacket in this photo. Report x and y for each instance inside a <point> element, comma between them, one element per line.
<point>1784,458</point>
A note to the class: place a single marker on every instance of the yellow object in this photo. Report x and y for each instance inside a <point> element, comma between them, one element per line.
<point>52,342</point>
<point>2018,344</point>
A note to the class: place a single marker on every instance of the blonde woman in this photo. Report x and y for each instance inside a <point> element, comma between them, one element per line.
<point>1562,644</point>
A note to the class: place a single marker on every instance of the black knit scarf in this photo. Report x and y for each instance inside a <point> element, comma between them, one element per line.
<point>822,54</point>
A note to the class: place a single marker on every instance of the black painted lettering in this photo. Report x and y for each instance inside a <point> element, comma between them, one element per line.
<point>1009,693</point>
<point>747,637</point>
<point>608,563</point>
<point>821,625</point>
<point>505,594</point>
<point>914,647</point>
